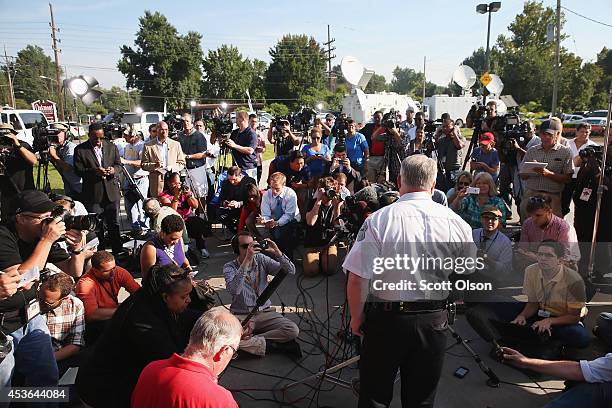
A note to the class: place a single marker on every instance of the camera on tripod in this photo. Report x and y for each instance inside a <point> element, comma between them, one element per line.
<point>391,119</point>
<point>223,126</point>
<point>592,152</point>
<point>279,124</point>
<point>175,125</point>
<point>513,130</point>
<point>306,116</point>
<point>114,130</point>
<point>87,222</point>
<point>44,137</point>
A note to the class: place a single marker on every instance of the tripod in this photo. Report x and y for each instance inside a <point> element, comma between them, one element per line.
<point>43,169</point>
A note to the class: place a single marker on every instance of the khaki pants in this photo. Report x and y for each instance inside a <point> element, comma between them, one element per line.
<point>375,167</point>
<point>555,202</point>
<point>322,259</point>
<point>269,325</point>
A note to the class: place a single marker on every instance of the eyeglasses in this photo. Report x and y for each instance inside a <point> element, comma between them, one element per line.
<point>546,255</point>
<point>36,219</point>
<point>53,305</point>
<point>489,218</point>
<point>245,246</point>
<point>537,199</point>
<point>463,183</point>
<point>235,352</point>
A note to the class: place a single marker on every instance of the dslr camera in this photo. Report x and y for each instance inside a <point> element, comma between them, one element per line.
<point>87,222</point>
<point>262,244</point>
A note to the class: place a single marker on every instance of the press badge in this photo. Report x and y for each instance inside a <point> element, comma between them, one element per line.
<point>33,309</point>
<point>586,194</point>
<point>543,313</point>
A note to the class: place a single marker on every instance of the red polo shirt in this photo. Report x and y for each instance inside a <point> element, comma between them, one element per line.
<point>178,382</point>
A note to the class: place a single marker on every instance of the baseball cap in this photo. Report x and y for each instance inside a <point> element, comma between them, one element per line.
<point>491,210</point>
<point>6,128</point>
<point>59,126</point>
<point>330,116</point>
<point>410,109</point>
<point>486,138</point>
<point>33,201</point>
<point>551,126</point>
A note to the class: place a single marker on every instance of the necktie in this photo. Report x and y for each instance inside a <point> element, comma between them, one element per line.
<point>278,210</point>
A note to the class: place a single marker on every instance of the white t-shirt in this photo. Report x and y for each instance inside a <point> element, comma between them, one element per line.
<point>572,146</point>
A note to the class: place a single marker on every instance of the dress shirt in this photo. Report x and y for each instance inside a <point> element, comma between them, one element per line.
<point>245,286</point>
<point>289,204</point>
<point>557,229</point>
<point>415,226</point>
<point>134,152</point>
<point>162,148</point>
<point>498,249</point>
<point>598,370</point>
<point>99,155</point>
<point>558,159</point>
<point>67,323</point>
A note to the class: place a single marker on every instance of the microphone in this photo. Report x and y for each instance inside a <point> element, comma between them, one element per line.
<point>266,294</point>
<point>478,320</point>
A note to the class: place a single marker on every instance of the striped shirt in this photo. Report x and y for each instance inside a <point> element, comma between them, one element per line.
<point>245,286</point>
<point>67,323</point>
<point>559,160</point>
<point>557,230</point>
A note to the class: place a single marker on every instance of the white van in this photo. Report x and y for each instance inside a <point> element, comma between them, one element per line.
<point>23,121</point>
<point>142,121</point>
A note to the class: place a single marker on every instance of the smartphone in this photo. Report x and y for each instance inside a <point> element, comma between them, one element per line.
<point>29,276</point>
<point>461,372</point>
<point>473,190</point>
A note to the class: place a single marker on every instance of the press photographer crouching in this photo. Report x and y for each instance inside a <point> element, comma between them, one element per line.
<point>246,277</point>
<point>342,165</point>
<point>17,160</point>
<point>323,210</point>
<point>28,240</point>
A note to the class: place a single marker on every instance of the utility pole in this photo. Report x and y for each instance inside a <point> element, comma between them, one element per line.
<point>424,80</point>
<point>10,80</point>
<point>329,59</point>
<point>56,51</point>
<point>553,110</point>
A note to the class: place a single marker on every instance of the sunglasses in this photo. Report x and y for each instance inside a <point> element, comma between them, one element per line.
<point>463,183</point>
<point>538,200</point>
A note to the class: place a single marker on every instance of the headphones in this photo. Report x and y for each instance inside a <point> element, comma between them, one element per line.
<point>235,241</point>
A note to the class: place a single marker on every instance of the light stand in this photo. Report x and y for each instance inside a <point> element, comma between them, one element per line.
<point>600,188</point>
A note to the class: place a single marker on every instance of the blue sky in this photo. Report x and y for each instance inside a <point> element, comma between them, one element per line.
<point>381,34</point>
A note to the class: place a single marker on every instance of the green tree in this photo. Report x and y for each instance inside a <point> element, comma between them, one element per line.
<point>277,109</point>
<point>115,99</point>
<point>258,79</point>
<point>227,75</point>
<point>604,62</point>
<point>298,64</point>
<point>31,64</point>
<point>406,81</point>
<point>377,83</point>
<point>163,64</point>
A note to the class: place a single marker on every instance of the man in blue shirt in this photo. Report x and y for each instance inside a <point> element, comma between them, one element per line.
<point>357,148</point>
<point>62,157</point>
<point>243,142</point>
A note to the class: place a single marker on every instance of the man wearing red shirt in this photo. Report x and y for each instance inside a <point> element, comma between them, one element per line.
<point>191,380</point>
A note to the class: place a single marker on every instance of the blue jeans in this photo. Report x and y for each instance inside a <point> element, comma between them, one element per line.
<point>584,396</point>
<point>32,356</point>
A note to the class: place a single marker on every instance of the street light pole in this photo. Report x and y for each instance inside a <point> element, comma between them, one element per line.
<point>487,8</point>
<point>553,110</point>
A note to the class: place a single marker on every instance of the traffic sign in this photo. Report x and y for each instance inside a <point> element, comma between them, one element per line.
<point>485,79</point>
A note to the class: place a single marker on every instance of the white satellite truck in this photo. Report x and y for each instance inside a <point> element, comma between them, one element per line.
<point>458,106</point>
<point>361,106</point>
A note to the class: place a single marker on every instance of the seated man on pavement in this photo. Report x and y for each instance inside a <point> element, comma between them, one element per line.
<point>323,210</point>
<point>99,289</point>
<point>555,301</point>
<point>594,388</point>
<point>246,278</point>
<point>65,316</point>
<point>280,213</point>
<point>190,379</point>
<point>542,225</point>
<point>232,197</point>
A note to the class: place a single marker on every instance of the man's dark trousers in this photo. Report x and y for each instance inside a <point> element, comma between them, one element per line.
<point>412,343</point>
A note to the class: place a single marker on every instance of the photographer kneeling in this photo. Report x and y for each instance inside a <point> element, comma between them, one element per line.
<point>323,209</point>
<point>28,241</point>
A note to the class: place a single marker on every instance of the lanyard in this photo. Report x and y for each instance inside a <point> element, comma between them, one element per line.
<point>486,250</point>
<point>247,277</point>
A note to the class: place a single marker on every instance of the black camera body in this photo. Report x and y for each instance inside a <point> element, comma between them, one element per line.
<point>114,130</point>
<point>223,126</point>
<point>279,124</point>
<point>306,116</point>
<point>87,222</point>
<point>592,152</point>
<point>331,193</point>
<point>44,137</point>
<point>513,130</point>
<point>391,119</point>
<point>262,245</point>
<point>175,125</point>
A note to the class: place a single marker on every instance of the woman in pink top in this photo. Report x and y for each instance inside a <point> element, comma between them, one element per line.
<point>177,196</point>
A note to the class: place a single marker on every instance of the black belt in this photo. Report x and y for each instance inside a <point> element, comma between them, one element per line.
<point>426,306</point>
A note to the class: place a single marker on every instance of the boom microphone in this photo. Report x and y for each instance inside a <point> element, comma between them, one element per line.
<point>266,294</point>
<point>478,320</point>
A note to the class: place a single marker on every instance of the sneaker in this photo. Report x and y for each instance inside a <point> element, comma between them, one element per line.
<point>205,253</point>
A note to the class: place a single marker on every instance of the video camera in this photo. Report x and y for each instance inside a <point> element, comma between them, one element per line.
<point>87,222</point>
<point>44,137</point>
<point>391,119</point>
<point>279,123</point>
<point>513,129</point>
<point>114,130</point>
<point>306,116</point>
<point>175,125</point>
<point>6,149</point>
<point>477,113</point>
<point>592,152</point>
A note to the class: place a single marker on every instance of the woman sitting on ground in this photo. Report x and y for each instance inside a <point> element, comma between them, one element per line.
<point>180,199</point>
<point>166,247</point>
<point>150,325</point>
<point>469,205</point>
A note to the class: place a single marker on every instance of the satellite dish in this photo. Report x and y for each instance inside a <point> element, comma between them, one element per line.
<point>496,85</point>
<point>362,98</point>
<point>352,70</point>
<point>464,76</point>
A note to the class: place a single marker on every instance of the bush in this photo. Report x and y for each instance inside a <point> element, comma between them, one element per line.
<point>277,109</point>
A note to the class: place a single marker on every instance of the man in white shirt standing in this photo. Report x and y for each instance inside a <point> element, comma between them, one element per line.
<point>280,213</point>
<point>130,158</point>
<point>404,323</point>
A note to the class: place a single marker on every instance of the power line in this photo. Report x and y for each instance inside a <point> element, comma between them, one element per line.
<point>586,18</point>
